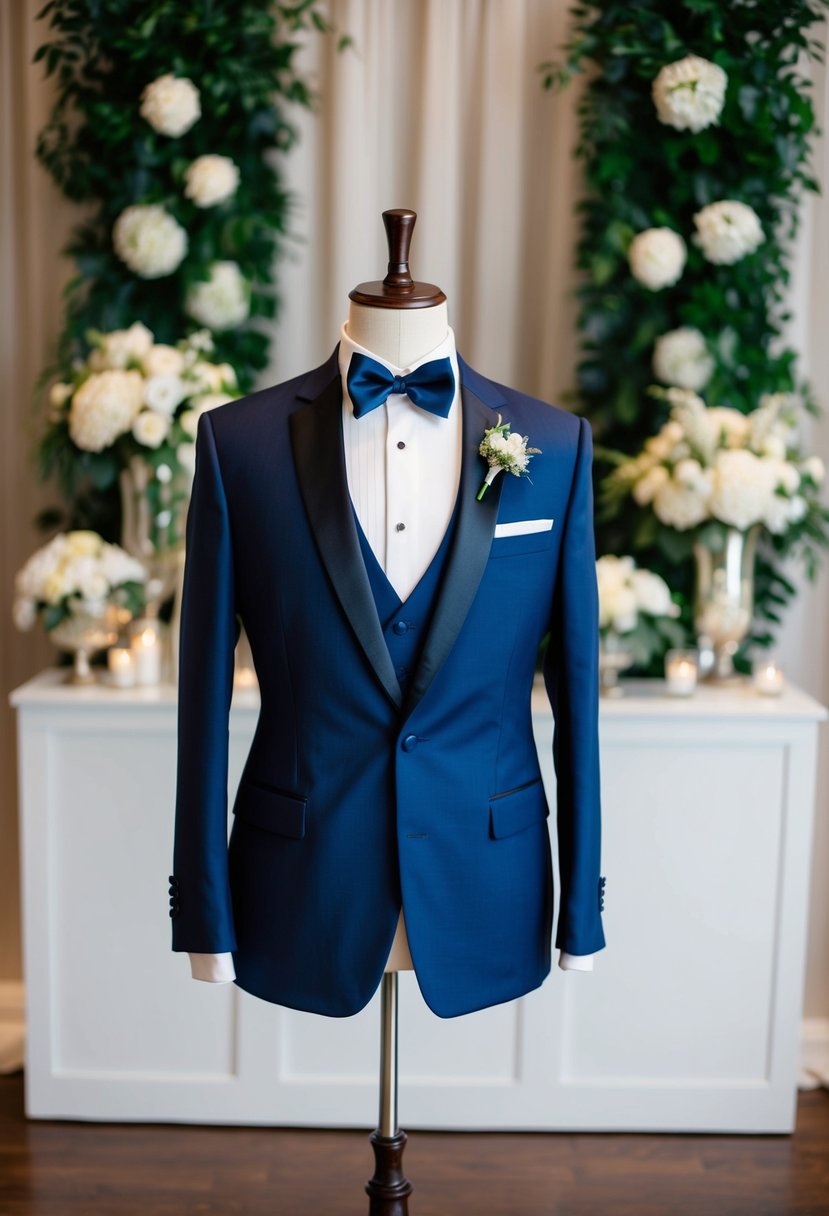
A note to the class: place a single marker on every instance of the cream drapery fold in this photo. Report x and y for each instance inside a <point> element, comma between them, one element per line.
<point>437,107</point>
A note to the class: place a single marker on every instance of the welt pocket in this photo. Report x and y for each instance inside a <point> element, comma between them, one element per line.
<point>527,542</point>
<point>514,810</point>
<point>271,809</point>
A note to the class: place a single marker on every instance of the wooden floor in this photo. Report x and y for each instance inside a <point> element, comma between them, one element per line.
<point>98,1169</point>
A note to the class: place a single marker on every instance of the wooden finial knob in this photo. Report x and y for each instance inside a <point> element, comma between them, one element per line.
<point>398,289</point>
<point>399,225</point>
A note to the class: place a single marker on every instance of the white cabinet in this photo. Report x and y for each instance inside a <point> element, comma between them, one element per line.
<point>689,1022</point>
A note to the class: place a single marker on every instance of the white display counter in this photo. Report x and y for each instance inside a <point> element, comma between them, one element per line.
<point>690,1020</point>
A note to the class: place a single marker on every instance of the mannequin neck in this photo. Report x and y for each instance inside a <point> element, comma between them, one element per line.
<point>400,336</point>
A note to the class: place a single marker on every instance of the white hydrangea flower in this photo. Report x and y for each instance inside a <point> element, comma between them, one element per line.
<point>151,428</point>
<point>164,394</point>
<point>210,180</point>
<point>77,563</point>
<point>149,241</point>
<point>104,407</point>
<point>171,104</point>
<point>653,595</point>
<point>727,231</point>
<point>690,93</point>
<point>221,301</point>
<point>742,487</point>
<point>657,257</point>
<point>120,347</point>
<point>161,360</point>
<point>681,357</point>
<point>680,506</point>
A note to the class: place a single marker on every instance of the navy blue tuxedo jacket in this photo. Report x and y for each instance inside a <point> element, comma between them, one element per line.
<point>355,798</point>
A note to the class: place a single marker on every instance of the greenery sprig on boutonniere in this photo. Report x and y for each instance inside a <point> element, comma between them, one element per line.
<point>501,450</point>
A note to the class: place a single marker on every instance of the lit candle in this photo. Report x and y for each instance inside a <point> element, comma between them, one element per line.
<point>146,651</point>
<point>681,672</point>
<point>121,666</point>
<point>768,677</point>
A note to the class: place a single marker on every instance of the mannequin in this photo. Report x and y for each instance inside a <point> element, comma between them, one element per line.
<point>400,335</point>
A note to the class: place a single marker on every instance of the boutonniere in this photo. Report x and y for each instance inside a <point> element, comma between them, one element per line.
<point>501,450</point>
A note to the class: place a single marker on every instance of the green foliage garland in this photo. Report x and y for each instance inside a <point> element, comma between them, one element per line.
<point>102,152</point>
<point>641,173</point>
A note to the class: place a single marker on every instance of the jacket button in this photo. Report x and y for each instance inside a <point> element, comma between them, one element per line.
<point>410,743</point>
<point>400,627</point>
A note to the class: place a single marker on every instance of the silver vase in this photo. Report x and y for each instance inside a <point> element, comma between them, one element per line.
<point>88,629</point>
<point>724,595</point>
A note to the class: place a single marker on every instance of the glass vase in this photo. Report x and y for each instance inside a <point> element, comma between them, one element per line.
<point>724,594</point>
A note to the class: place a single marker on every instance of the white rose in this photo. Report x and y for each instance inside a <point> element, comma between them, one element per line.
<point>657,257</point>
<point>498,443</point>
<point>164,393</point>
<point>648,486</point>
<point>119,567</point>
<point>730,428</point>
<point>727,231</point>
<point>622,610</point>
<point>212,377</point>
<point>223,300</point>
<point>680,506</point>
<point>774,446</point>
<point>59,394</point>
<point>814,467</point>
<point>742,486</point>
<point>83,543</point>
<point>150,428</point>
<point>149,241</point>
<point>120,347</point>
<point>211,180</point>
<point>689,94</point>
<point>24,612</point>
<point>104,407</point>
<point>797,507</point>
<point>161,360</point>
<point>681,357</point>
<point>689,472</point>
<point>652,594</point>
<point>186,456</point>
<point>171,104</point>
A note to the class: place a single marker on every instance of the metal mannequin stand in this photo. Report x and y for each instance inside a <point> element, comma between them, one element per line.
<point>389,1188</point>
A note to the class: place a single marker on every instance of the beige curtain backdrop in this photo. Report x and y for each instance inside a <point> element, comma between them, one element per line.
<point>437,107</point>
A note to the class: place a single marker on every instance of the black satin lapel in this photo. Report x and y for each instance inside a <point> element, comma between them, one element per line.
<point>470,548</point>
<point>316,438</point>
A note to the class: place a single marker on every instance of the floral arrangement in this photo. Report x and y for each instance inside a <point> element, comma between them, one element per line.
<point>635,605</point>
<point>137,399</point>
<point>716,463</point>
<point>166,124</point>
<point>504,451</point>
<point>76,570</point>
<point>695,135</point>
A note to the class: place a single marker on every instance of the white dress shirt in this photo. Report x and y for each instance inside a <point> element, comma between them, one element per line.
<point>403,466</point>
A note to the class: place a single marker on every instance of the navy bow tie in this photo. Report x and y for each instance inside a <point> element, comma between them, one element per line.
<point>430,387</point>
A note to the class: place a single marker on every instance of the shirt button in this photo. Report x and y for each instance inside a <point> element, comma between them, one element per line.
<point>400,627</point>
<point>400,527</point>
<point>401,444</point>
<point>410,743</point>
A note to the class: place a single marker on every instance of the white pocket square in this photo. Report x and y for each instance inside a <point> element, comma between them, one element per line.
<point>522,527</point>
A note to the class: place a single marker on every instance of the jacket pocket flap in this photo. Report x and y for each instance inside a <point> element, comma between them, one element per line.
<point>270,809</point>
<point>518,809</point>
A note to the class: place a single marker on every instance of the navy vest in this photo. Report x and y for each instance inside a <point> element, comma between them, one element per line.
<point>405,623</point>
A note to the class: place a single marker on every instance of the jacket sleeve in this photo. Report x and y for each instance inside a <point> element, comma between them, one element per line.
<point>200,903</point>
<point>571,675</point>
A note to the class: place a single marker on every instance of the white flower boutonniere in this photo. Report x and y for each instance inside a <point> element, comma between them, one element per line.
<point>501,450</point>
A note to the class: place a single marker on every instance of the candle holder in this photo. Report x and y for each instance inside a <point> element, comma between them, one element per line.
<point>681,672</point>
<point>767,677</point>
<point>121,665</point>
<point>147,646</point>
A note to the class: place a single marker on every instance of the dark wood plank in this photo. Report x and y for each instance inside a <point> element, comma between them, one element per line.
<point>98,1169</point>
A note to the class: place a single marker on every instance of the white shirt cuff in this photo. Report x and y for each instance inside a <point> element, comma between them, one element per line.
<point>214,968</point>
<point>575,962</point>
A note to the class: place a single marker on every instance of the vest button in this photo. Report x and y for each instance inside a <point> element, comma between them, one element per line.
<point>410,743</point>
<point>400,627</point>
